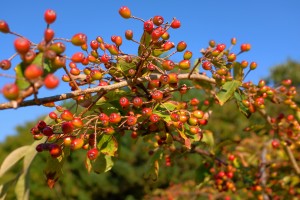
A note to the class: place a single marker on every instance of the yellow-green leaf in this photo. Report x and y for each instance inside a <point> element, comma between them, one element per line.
<point>227,91</point>
<point>102,164</point>
<point>108,145</point>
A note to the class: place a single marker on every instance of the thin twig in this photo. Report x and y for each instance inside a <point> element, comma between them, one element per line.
<point>9,105</point>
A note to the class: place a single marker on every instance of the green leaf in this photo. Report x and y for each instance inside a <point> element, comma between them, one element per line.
<point>125,66</point>
<point>243,109</point>
<point>208,138</point>
<point>201,173</point>
<point>21,82</point>
<point>227,91</point>
<point>13,158</point>
<point>152,166</point>
<point>238,71</point>
<point>22,186</point>
<point>102,164</point>
<point>169,105</point>
<point>145,42</point>
<point>108,145</point>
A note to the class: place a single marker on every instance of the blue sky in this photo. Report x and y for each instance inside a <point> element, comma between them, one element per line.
<point>271,27</point>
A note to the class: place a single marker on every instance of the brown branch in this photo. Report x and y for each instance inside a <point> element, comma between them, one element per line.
<point>12,104</point>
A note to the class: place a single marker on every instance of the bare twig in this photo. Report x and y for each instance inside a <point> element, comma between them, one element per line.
<point>107,88</point>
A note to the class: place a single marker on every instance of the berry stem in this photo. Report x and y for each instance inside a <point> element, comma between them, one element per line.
<point>73,81</point>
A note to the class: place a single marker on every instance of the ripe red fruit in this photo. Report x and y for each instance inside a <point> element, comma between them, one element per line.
<point>157,33</point>
<point>168,45</point>
<point>77,57</point>
<point>40,147</point>
<point>137,102</point>
<point>53,115</point>
<point>104,58</point>
<point>206,65</point>
<point>164,79</point>
<point>134,135</point>
<point>129,34</point>
<point>74,71</point>
<point>5,64</point>
<point>175,24</point>
<point>94,44</point>
<point>147,112</point>
<point>55,150</point>
<point>47,131</point>
<point>66,115</point>
<point>48,35</point>
<point>125,12</point>
<point>33,71</point>
<point>77,122</point>
<point>4,28</point>
<point>114,118</point>
<point>231,57</point>
<point>92,154</point>
<point>158,20</point>
<point>154,118</point>
<point>51,81</point>
<point>96,74</point>
<point>49,16</point>
<point>152,84</point>
<point>168,65</point>
<point>10,91</point>
<point>245,47</point>
<point>79,39</point>
<point>194,102</point>
<point>221,47</point>
<point>41,125</point>
<point>244,64</point>
<point>22,45</point>
<point>67,127</point>
<point>124,102</point>
<point>131,120</point>
<point>118,40</point>
<point>157,95</point>
<point>148,26</point>
<point>77,143</point>
<point>275,143</point>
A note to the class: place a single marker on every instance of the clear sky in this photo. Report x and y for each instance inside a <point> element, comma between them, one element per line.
<point>271,27</point>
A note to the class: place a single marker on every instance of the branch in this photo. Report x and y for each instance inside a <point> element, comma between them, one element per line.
<point>14,104</point>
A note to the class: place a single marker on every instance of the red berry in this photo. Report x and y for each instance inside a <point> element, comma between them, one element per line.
<point>10,91</point>
<point>51,81</point>
<point>164,79</point>
<point>92,154</point>
<point>206,65</point>
<point>77,57</point>
<point>157,95</point>
<point>168,45</point>
<point>104,58</point>
<point>114,118</point>
<point>175,24</point>
<point>33,71</point>
<point>94,44</point>
<point>77,143</point>
<point>148,26</point>
<point>109,131</point>
<point>147,112</point>
<point>50,16</point>
<point>55,150</point>
<point>67,127</point>
<point>221,47</point>
<point>158,20</point>
<point>47,131</point>
<point>245,47</point>
<point>244,64</point>
<point>275,143</point>
<point>125,12</point>
<point>4,28</point>
<point>77,122</point>
<point>79,39</point>
<point>96,74</point>
<point>5,64</point>
<point>48,35</point>
<point>66,115</point>
<point>40,147</point>
<point>154,118</point>
<point>129,34</point>
<point>137,102</point>
<point>53,115</point>
<point>231,57</point>
<point>124,102</point>
<point>22,45</point>
<point>103,116</point>
<point>194,102</point>
<point>168,65</point>
<point>134,135</point>
<point>152,84</point>
<point>157,33</point>
<point>131,120</point>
